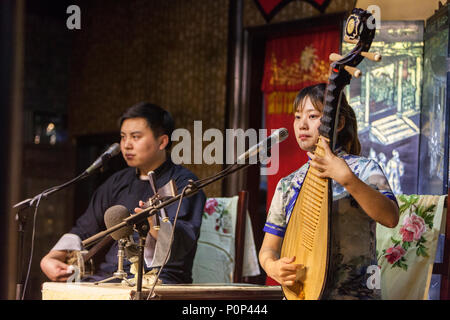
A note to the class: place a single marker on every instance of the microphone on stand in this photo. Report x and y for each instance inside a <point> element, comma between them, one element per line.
<point>21,218</point>
<point>112,151</point>
<point>278,136</point>
<point>115,215</point>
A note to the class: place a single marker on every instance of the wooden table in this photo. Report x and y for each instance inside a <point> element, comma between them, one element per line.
<point>117,291</point>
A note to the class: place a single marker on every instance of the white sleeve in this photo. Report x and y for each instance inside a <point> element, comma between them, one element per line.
<point>68,241</point>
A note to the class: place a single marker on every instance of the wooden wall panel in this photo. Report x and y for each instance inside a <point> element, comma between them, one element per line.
<point>172,53</point>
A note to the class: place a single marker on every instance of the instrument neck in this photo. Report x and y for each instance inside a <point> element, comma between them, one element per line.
<point>319,151</point>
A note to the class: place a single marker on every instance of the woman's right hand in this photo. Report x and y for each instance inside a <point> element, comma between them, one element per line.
<point>283,270</point>
<point>54,267</point>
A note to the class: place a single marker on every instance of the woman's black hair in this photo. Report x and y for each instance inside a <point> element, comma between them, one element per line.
<point>158,119</point>
<point>348,136</point>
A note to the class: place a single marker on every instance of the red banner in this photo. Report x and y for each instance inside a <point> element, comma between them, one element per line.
<point>269,8</point>
<point>291,64</point>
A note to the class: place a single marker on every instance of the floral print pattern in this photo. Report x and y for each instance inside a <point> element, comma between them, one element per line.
<point>210,207</point>
<point>394,255</point>
<point>407,252</point>
<point>217,209</point>
<point>416,220</point>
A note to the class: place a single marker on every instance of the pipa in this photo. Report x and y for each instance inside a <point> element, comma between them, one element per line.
<point>309,230</point>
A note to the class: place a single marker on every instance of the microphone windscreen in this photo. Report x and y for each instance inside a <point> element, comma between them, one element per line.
<point>114,150</point>
<point>284,133</point>
<point>115,215</point>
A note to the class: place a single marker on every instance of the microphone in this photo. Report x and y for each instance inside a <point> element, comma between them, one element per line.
<point>278,136</point>
<point>115,215</point>
<point>112,151</point>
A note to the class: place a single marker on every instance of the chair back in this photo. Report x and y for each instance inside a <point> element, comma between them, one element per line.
<point>225,250</point>
<point>406,253</point>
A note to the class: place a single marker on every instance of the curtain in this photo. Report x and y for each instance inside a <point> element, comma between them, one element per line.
<point>292,63</point>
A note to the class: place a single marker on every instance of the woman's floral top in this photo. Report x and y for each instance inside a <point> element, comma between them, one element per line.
<point>354,232</point>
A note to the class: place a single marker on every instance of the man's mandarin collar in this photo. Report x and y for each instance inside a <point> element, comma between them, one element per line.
<point>158,171</point>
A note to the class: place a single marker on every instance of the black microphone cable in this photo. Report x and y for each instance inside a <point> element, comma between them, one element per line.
<point>37,199</point>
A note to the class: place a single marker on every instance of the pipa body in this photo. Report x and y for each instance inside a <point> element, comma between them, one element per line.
<point>307,237</point>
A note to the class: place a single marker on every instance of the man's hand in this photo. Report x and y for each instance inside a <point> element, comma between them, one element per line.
<point>54,267</point>
<point>153,232</point>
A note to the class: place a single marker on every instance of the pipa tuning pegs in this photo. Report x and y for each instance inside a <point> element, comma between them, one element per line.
<point>353,71</point>
<point>374,56</point>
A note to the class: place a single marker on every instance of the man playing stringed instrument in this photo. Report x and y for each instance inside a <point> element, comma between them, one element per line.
<point>145,131</point>
<point>361,197</point>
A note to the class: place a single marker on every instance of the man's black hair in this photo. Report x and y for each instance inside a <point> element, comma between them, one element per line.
<point>158,119</point>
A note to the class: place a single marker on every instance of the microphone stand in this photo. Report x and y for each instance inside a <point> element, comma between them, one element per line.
<point>21,218</point>
<point>143,228</point>
<point>120,273</point>
<point>44,194</point>
<point>141,223</point>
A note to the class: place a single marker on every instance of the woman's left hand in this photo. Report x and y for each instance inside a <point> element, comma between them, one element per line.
<point>376,205</point>
<point>330,165</point>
